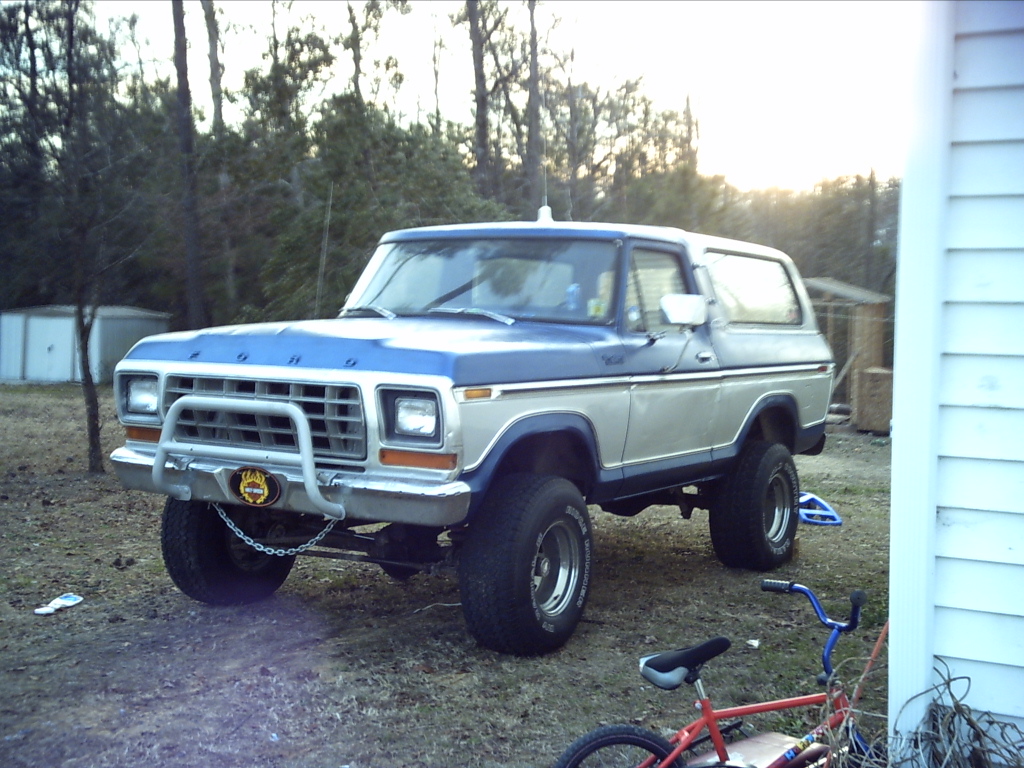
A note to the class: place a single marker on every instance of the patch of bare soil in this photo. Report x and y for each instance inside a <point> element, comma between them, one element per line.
<point>347,667</point>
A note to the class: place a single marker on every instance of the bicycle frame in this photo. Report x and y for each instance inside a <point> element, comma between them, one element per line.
<point>710,718</point>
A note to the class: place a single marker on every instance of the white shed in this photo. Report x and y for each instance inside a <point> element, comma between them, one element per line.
<point>40,343</point>
<point>957,530</point>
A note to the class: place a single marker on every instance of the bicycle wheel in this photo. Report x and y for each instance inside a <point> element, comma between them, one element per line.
<point>616,746</point>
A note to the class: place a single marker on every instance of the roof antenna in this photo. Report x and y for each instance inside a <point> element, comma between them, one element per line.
<point>544,212</point>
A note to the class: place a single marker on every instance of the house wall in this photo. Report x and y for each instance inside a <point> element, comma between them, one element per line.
<point>957,549</point>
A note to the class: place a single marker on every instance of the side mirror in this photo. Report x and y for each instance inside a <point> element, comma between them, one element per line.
<point>688,309</point>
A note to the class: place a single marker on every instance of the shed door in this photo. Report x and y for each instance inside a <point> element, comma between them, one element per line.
<point>50,352</point>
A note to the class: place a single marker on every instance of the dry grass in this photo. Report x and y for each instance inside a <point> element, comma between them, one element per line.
<point>345,666</point>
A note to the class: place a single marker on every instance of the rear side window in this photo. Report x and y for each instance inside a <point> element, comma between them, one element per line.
<point>753,290</point>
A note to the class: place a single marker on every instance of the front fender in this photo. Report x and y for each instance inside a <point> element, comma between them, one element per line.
<point>537,426</point>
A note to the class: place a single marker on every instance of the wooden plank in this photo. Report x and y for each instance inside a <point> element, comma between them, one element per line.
<point>990,168</point>
<point>981,432</point>
<point>996,537</point>
<point>986,276</point>
<point>975,483</point>
<point>990,61</point>
<point>982,329</point>
<point>986,222</point>
<point>974,585</point>
<point>988,115</point>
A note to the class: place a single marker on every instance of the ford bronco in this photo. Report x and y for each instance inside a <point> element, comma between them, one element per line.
<point>483,386</point>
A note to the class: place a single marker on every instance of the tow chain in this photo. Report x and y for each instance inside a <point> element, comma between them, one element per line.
<point>271,550</point>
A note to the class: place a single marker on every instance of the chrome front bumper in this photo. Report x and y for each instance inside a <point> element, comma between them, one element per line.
<point>198,471</point>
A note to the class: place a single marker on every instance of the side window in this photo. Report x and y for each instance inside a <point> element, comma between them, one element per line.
<point>753,290</point>
<point>652,274</point>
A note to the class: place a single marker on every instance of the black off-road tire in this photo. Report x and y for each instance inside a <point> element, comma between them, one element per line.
<point>211,564</point>
<point>756,510</point>
<point>610,746</point>
<point>524,569</point>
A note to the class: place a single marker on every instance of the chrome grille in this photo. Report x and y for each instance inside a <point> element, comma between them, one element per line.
<point>334,412</point>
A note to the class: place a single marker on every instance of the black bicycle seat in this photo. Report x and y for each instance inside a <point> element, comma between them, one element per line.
<point>671,669</point>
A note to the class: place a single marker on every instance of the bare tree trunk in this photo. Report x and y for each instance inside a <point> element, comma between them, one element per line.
<point>216,70</point>
<point>189,200</point>
<point>481,95</point>
<point>84,319</point>
<point>436,121</point>
<point>84,277</point>
<point>871,278</point>
<point>537,194</point>
<point>357,52</point>
<point>573,146</point>
<point>223,180</point>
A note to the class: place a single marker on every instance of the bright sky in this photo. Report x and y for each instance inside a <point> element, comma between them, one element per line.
<point>786,93</point>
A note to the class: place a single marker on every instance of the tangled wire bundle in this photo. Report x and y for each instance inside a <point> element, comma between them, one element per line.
<point>955,736</point>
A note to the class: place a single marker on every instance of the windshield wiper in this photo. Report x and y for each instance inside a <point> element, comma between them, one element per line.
<point>368,308</point>
<point>473,311</point>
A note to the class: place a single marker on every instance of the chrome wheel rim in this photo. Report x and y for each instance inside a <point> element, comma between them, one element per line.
<point>556,569</point>
<point>778,507</point>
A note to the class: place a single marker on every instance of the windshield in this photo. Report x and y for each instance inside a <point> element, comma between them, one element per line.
<point>554,280</point>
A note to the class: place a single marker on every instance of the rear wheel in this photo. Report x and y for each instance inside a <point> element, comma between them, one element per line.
<point>616,746</point>
<point>524,570</point>
<point>755,515</point>
<point>211,564</point>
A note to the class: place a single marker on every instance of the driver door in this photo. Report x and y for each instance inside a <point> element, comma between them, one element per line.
<point>673,369</point>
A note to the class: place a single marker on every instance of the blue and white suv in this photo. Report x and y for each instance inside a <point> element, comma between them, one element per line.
<point>481,387</point>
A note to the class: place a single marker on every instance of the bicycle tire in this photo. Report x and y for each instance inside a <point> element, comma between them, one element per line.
<point>616,746</point>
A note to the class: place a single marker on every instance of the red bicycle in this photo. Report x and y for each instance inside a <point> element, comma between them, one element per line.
<point>629,745</point>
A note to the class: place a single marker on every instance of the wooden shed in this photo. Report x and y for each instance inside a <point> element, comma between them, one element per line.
<point>859,329</point>
<point>39,343</point>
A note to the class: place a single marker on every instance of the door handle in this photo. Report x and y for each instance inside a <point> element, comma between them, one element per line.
<point>705,357</point>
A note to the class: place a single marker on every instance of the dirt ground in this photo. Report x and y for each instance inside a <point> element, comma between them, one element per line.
<point>347,667</point>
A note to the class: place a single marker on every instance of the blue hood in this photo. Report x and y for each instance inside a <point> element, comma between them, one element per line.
<point>468,350</point>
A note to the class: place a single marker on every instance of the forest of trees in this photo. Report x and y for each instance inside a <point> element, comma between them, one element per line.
<point>110,195</point>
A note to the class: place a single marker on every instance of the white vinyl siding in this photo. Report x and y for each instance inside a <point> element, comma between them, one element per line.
<point>987,222</point>
<point>997,535</point>
<point>992,276</point>
<point>993,168</point>
<point>980,485</point>
<point>957,597</point>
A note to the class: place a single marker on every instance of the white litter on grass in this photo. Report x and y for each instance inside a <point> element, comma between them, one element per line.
<point>64,601</point>
<point>753,643</point>
<point>436,605</point>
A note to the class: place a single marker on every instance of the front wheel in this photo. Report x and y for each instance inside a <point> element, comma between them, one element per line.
<point>211,564</point>
<point>754,518</point>
<point>616,746</point>
<point>524,570</point>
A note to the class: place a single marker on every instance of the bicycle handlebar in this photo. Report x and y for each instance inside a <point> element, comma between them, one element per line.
<point>774,585</point>
<point>858,598</point>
